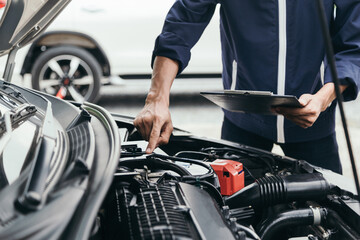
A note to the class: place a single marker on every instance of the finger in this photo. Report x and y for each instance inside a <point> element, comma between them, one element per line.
<point>153,140</point>
<point>143,128</point>
<point>165,134</point>
<point>305,99</point>
<point>295,112</point>
<point>147,125</point>
<point>302,122</point>
<point>307,111</point>
<point>139,126</point>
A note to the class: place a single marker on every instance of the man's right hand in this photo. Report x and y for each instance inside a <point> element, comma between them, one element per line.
<point>154,122</point>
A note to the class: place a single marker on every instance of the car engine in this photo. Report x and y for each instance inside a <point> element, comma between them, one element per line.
<point>71,182</point>
<point>196,188</point>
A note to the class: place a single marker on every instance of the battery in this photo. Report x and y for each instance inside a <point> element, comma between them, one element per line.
<point>230,174</point>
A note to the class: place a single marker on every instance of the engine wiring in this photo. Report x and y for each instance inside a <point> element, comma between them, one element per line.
<point>267,160</point>
<point>209,174</point>
<point>207,156</point>
<point>200,158</point>
<point>269,184</point>
<point>159,161</point>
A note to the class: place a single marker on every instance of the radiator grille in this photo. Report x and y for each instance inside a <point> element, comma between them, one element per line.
<point>154,216</point>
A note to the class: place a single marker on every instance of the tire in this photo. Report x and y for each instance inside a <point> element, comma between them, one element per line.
<point>68,72</point>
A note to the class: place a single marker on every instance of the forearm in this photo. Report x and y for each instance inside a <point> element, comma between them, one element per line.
<point>327,94</point>
<point>164,73</point>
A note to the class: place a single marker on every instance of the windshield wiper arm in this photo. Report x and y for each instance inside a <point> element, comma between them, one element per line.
<point>34,194</point>
<point>11,119</point>
<point>9,90</point>
<point>17,116</point>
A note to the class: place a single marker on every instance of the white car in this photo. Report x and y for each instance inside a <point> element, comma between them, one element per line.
<point>101,40</point>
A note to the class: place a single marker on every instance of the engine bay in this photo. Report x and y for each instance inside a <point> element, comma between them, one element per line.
<point>196,188</point>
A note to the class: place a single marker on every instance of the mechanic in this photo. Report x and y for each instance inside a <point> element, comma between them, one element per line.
<point>267,45</point>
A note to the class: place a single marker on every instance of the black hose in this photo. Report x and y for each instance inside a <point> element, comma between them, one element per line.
<point>268,191</point>
<point>274,225</point>
<point>247,172</point>
<point>266,159</point>
<point>166,176</point>
<point>155,163</point>
<point>210,174</point>
<point>211,189</point>
<point>202,156</point>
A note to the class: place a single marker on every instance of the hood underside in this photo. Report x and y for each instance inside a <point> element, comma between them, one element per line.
<point>23,20</point>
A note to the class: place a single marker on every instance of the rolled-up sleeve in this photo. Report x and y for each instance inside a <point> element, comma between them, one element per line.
<point>183,27</point>
<point>346,41</point>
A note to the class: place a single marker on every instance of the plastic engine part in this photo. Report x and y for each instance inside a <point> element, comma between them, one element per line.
<point>269,191</point>
<point>169,210</point>
<point>230,174</point>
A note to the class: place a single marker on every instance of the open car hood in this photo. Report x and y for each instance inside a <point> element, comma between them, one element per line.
<point>77,181</point>
<point>23,20</point>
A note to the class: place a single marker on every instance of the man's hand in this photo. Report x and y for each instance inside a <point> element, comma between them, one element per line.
<point>307,115</point>
<point>154,123</point>
<point>313,105</point>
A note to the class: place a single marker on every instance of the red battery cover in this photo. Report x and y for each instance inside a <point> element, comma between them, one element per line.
<point>230,174</point>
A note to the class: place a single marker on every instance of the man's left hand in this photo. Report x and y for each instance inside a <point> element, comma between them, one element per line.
<point>313,105</point>
<point>307,115</point>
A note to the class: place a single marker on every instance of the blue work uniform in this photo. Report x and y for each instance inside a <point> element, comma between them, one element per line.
<point>271,45</point>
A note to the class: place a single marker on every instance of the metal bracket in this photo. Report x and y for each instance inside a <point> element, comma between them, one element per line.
<point>10,65</point>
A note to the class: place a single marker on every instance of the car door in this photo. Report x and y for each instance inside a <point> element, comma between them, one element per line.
<point>126,31</point>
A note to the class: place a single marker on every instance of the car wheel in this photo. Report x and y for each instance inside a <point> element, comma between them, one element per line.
<point>67,72</point>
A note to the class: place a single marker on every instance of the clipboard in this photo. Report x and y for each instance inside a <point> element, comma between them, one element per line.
<point>244,101</point>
